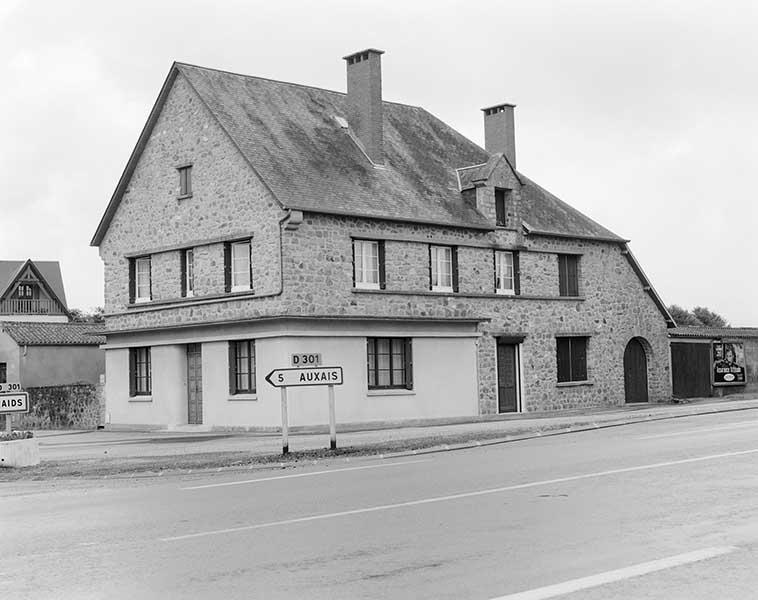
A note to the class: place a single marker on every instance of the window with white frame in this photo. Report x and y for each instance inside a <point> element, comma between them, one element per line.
<point>142,287</point>
<point>188,273</point>
<point>367,267</point>
<point>441,260</point>
<point>505,274</point>
<point>240,266</point>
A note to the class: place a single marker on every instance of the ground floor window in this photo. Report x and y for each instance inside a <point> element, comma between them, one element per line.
<point>572,358</point>
<point>3,372</point>
<point>242,367</point>
<point>140,372</point>
<point>389,363</point>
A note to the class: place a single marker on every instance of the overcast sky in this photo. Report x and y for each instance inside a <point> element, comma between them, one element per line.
<point>640,114</point>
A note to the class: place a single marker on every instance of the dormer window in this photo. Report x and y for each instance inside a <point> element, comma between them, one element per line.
<point>185,181</point>
<point>502,200</point>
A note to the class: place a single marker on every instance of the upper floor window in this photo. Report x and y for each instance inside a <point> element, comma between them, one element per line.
<point>3,372</point>
<point>443,266</point>
<point>368,264</point>
<point>568,274</point>
<point>140,288</point>
<point>140,372</point>
<point>506,273</point>
<point>572,358</point>
<point>237,266</point>
<point>188,272</point>
<point>25,291</point>
<point>389,363</point>
<point>242,367</point>
<point>185,181</point>
<point>502,198</point>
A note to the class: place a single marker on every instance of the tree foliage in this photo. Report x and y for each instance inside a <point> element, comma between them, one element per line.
<point>95,315</point>
<point>700,316</point>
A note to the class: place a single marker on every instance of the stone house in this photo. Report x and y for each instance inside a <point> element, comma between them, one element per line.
<point>257,219</point>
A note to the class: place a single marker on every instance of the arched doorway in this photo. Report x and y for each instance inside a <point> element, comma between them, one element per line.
<point>635,372</point>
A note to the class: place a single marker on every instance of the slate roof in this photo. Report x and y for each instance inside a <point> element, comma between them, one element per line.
<point>290,137</point>
<point>714,332</point>
<point>53,334</point>
<point>50,270</point>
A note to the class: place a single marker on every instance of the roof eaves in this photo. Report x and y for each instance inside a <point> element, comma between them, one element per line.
<point>670,323</point>
<point>131,164</point>
<point>598,238</point>
<point>345,213</point>
<point>12,279</point>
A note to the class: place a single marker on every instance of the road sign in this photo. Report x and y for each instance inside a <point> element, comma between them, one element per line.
<point>306,359</point>
<point>9,387</point>
<point>14,403</point>
<point>317,376</point>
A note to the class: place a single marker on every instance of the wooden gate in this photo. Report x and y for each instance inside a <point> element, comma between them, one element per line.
<point>691,369</point>
<point>194,385</point>
<point>635,372</point>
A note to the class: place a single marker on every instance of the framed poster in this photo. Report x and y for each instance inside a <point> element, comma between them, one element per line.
<point>728,363</point>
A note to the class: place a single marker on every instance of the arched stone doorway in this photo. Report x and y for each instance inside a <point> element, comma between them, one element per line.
<point>635,372</point>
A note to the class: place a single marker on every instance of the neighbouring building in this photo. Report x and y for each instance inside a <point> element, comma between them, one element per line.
<point>713,361</point>
<point>258,219</point>
<point>39,346</point>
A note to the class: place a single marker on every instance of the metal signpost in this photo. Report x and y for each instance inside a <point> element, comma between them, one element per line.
<point>12,400</point>
<point>307,375</point>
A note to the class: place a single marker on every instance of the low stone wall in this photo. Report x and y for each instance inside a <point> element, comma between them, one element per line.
<point>77,406</point>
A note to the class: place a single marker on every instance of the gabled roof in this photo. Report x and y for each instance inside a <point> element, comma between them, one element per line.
<point>290,136</point>
<point>53,334</point>
<point>49,273</point>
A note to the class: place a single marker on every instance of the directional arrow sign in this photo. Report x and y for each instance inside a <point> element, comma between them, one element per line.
<point>319,376</point>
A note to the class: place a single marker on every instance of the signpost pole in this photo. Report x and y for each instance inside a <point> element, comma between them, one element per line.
<point>332,421</point>
<point>285,425</point>
<point>8,427</point>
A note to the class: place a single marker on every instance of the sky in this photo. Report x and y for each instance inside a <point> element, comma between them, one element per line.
<point>641,114</point>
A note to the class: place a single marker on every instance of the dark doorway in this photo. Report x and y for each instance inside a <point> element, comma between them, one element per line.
<point>507,377</point>
<point>194,385</point>
<point>691,370</point>
<point>635,373</point>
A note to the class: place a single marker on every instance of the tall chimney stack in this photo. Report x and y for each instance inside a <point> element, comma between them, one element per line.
<point>364,101</point>
<point>499,131</point>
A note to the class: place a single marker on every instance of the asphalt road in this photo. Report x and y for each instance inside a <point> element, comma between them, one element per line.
<point>665,509</point>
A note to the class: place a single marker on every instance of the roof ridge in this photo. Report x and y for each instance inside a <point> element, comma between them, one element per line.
<point>281,81</point>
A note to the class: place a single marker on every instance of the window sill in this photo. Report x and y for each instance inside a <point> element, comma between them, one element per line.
<point>573,383</point>
<point>184,196</point>
<point>140,398</point>
<point>243,398</point>
<point>391,392</point>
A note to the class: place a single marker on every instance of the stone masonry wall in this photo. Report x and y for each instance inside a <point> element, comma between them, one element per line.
<point>228,202</point>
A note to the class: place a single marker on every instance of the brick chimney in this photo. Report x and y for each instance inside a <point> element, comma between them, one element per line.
<point>499,131</point>
<point>364,101</point>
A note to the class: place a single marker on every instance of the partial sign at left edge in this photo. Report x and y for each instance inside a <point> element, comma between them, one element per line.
<point>14,403</point>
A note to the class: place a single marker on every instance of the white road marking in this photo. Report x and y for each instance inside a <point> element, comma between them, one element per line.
<point>508,488</point>
<point>699,430</point>
<point>583,583</point>
<point>310,474</point>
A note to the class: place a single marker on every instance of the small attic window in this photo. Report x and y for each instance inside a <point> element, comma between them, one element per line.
<point>185,181</point>
<point>341,121</point>
<point>502,202</point>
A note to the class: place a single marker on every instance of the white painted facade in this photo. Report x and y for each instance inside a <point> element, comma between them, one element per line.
<point>444,377</point>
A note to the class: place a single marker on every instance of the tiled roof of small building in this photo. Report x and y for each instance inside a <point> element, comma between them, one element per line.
<point>714,332</point>
<point>53,334</point>
<point>291,138</point>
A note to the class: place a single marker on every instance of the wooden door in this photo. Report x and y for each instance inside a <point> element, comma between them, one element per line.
<point>194,385</point>
<point>635,373</point>
<point>691,369</point>
<point>507,378</point>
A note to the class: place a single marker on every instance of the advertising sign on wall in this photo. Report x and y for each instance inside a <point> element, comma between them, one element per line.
<point>728,363</point>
